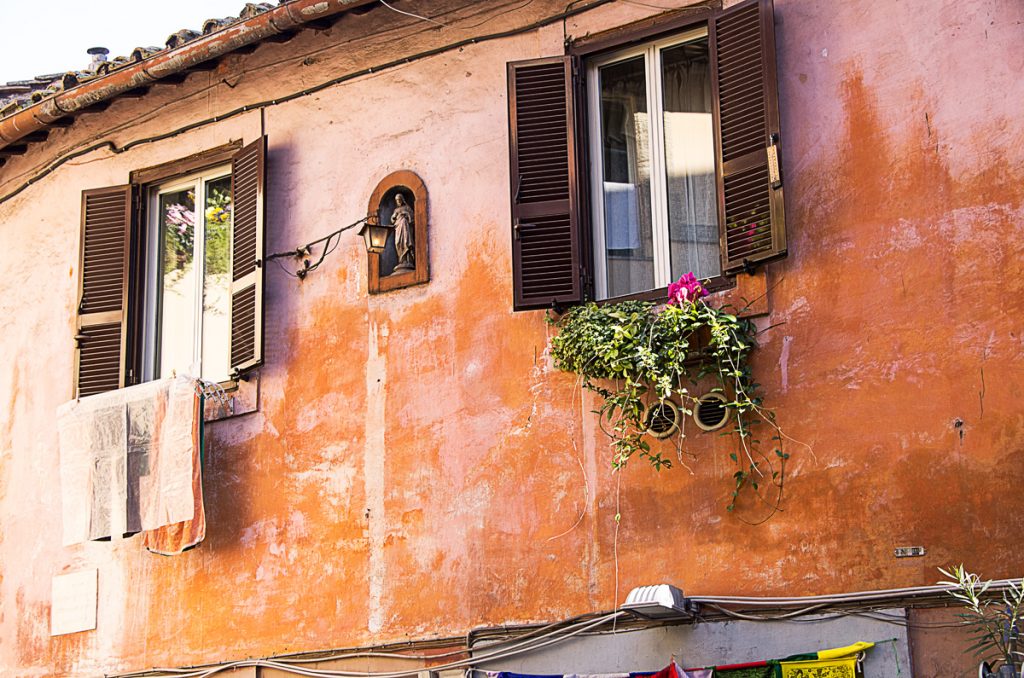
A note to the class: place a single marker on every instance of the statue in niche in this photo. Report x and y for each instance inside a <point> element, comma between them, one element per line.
<point>403,221</point>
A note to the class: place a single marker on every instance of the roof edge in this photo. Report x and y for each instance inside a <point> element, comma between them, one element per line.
<point>281,19</point>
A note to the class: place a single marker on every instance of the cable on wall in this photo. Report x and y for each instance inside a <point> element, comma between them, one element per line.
<point>290,666</point>
<point>115,149</point>
<point>330,241</point>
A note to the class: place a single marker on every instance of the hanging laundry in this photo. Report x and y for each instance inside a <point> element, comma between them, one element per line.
<point>126,460</point>
<point>177,538</point>
<point>93,435</point>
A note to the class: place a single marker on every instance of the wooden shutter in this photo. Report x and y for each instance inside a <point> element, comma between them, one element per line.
<point>103,292</point>
<point>248,196</point>
<point>750,205</point>
<point>546,242</point>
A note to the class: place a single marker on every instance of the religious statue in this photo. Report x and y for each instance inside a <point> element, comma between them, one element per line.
<point>402,219</point>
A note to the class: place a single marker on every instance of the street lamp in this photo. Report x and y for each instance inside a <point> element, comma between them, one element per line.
<point>375,234</point>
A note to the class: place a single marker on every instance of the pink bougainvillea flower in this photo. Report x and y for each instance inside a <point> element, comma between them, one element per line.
<point>687,290</point>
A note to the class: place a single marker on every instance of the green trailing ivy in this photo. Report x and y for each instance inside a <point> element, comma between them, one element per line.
<point>635,354</point>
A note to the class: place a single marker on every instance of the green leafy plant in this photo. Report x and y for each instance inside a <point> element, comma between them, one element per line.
<point>634,354</point>
<point>994,621</point>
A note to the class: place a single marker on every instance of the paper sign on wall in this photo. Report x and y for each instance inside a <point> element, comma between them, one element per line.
<point>73,602</point>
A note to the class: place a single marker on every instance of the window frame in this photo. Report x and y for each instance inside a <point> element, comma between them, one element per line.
<point>651,51</point>
<point>108,346</point>
<point>150,306</point>
<point>139,358</point>
<point>549,181</point>
<point>600,49</point>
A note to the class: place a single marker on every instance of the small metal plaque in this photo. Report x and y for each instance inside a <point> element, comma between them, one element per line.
<point>909,551</point>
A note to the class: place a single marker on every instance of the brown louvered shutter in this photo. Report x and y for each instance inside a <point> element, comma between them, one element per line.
<point>750,205</point>
<point>102,302</point>
<point>546,243</point>
<point>248,196</point>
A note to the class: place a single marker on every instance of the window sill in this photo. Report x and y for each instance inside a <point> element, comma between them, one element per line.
<point>747,292</point>
<point>242,398</point>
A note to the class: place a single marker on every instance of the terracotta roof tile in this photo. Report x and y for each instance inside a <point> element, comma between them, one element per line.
<point>22,93</point>
<point>140,53</point>
<point>181,37</point>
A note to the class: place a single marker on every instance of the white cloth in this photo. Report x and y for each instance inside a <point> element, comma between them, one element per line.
<point>126,460</point>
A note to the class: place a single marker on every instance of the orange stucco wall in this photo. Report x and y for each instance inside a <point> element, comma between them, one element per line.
<point>416,467</point>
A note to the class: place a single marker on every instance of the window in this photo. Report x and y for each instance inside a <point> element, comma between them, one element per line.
<point>188,291</point>
<point>652,173</point>
<point>171,272</point>
<point>638,160</point>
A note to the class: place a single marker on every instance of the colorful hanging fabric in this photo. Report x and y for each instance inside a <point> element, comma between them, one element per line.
<point>673,671</point>
<point>845,667</point>
<point>748,670</point>
<point>838,652</point>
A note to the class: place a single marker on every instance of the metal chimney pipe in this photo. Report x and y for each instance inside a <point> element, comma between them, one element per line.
<point>98,54</point>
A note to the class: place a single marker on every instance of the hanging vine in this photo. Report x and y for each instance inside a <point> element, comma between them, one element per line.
<point>635,354</point>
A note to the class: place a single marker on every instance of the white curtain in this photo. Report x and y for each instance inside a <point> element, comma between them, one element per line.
<point>690,166</point>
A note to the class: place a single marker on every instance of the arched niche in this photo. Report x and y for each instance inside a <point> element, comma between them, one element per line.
<point>388,271</point>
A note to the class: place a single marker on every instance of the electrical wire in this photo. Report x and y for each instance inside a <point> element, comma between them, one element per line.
<point>867,614</point>
<point>533,631</point>
<point>778,617</point>
<point>839,598</point>
<point>514,643</point>
<point>415,16</point>
<point>286,666</point>
<point>250,69</point>
<point>303,250</point>
<point>115,149</point>
<point>559,632</point>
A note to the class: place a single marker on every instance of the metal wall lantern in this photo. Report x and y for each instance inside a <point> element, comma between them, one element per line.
<point>375,234</point>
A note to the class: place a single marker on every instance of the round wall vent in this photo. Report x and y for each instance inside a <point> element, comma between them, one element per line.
<point>662,419</point>
<point>710,412</point>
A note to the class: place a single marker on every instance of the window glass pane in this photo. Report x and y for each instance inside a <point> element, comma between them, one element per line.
<point>176,317</point>
<point>626,191</point>
<point>690,160</point>
<point>217,280</point>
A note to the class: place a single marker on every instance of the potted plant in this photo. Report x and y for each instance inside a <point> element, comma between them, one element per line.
<point>636,355</point>
<point>995,621</point>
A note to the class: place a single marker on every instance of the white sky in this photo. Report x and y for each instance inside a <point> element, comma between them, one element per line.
<point>51,37</point>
